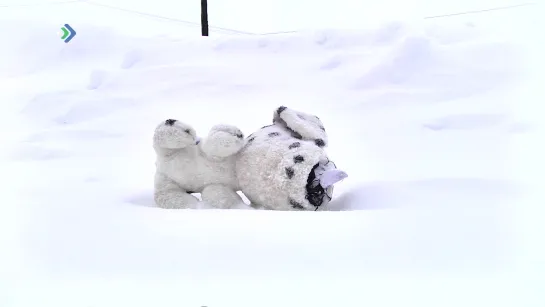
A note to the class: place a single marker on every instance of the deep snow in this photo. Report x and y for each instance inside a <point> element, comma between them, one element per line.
<point>433,121</point>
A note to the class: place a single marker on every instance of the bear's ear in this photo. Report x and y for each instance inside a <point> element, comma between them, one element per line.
<point>277,112</point>
<point>309,127</point>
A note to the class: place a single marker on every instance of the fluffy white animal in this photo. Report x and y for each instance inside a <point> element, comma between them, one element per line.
<point>188,165</point>
<point>284,166</point>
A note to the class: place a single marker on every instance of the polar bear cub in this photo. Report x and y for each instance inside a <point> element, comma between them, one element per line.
<point>188,165</point>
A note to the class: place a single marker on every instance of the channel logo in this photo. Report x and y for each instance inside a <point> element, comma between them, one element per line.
<point>67,33</point>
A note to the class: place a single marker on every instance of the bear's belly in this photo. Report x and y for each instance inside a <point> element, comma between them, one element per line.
<point>193,171</point>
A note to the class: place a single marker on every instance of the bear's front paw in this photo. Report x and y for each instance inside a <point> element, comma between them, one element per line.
<point>223,141</point>
<point>174,134</point>
<point>232,130</point>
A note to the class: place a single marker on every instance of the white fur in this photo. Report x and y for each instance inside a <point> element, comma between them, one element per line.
<point>262,165</point>
<point>186,165</point>
<point>308,126</point>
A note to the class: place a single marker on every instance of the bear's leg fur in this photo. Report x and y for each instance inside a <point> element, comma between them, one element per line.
<point>223,141</point>
<point>222,197</point>
<point>168,195</point>
<point>173,134</point>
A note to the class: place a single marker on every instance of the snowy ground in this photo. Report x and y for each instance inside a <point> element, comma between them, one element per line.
<point>433,121</point>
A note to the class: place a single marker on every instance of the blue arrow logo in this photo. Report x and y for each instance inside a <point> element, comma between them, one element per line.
<point>68,33</point>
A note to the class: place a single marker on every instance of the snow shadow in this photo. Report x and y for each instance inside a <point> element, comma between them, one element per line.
<point>436,193</point>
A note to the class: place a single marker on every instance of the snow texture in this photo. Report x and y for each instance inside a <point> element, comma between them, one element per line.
<point>437,122</point>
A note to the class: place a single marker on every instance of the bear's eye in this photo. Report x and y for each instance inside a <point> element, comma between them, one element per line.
<point>187,131</point>
<point>239,135</point>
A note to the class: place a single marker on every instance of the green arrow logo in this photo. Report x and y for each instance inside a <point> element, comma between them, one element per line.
<point>67,33</point>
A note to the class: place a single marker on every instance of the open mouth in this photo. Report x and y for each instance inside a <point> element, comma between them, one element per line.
<point>317,194</point>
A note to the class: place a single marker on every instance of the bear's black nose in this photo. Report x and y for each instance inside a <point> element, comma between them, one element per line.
<point>170,122</point>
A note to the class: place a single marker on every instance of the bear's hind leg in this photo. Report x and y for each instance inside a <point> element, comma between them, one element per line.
<point>222,197</point>
<point>168,195</point>
<point>173,134</point>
